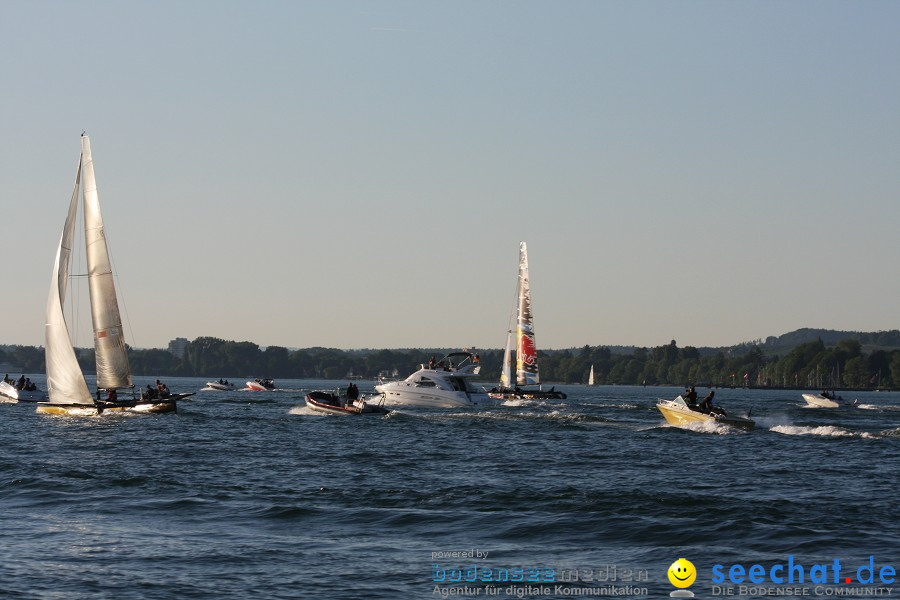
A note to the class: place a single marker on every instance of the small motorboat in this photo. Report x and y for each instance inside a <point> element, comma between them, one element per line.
<point>678,413</point>
<point>11,393</point>
<point>335,404</point>
<point>222,385</point>
<point>827,400</point>
<point>261,385</point>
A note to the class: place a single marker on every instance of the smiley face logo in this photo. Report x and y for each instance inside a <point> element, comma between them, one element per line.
<point>682,573</point>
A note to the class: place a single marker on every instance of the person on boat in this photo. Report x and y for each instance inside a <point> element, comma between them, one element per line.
<point>150,393</point>
<point>20,383</point>
<point>162,389</point>
<point>432,363</point>
<point>691,397</point>
<point>707,404</point>
<point>112,395</point>
<point>476,359</point>
<point>6,379</point>
<point>352,393</point>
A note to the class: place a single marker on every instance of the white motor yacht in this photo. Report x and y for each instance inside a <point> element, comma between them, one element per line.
<point>445,384</point>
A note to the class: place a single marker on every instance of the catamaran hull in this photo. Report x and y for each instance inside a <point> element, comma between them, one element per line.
<point>529,395</point>
<point>679,417</point>
<point>90,410</point>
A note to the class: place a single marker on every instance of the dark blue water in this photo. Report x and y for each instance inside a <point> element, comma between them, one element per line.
<point>243,495</point>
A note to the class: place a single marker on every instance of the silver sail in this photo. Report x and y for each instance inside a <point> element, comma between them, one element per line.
<point>65,383</point>
<point>526,351</point>
<point>113,370</point>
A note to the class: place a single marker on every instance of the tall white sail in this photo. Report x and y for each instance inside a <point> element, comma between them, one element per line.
<point>113,370</point>
<point>526,351</point>
<point>506,371</point>
<point>65,382</point>
<point>591,376</point>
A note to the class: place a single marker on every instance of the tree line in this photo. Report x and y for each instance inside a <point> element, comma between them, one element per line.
<point>810,365</point>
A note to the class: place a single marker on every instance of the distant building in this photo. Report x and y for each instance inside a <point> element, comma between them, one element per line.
<point>178,347</point>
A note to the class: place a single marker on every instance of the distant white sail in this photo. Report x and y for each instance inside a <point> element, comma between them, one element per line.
<point>65,382</point>
<point>526,350</point>
<point>113,370</point>
<point>591,376</point>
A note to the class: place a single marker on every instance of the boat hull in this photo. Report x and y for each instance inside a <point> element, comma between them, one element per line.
<point>88,410</point>
<point>528,395</point>
<point>819,401</point>
<point>396,395</point>
<point>258,387</point>
<point>10,394</point>
<point>327,403</point>
<point>683,417</point>
<point>219,387</point>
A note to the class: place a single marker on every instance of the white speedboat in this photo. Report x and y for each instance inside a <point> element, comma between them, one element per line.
<point>261,385</point>
<point>220,386</point>
<point>678,413</point>
<point>11,393</point>
<point>826,400</point>
<point>446,384</point>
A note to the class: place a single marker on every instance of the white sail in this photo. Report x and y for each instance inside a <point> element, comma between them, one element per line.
<point>65,382</point>
<point>506,372</point>
<point>591,376</point>
<point>526,350</point>
<point>113,370</point>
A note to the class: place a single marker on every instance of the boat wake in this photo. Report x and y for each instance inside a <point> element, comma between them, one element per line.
<point>708,427</point>
<point>821,430</point>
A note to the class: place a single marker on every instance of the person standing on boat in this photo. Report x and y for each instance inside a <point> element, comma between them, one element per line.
<point>112,395</point>
<point>707,404</point>
<point>432,363</point>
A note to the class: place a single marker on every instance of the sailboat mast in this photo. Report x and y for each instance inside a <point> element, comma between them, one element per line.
<point>113,370</point>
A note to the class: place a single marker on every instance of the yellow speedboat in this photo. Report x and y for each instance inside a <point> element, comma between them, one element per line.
<point>678,413</point>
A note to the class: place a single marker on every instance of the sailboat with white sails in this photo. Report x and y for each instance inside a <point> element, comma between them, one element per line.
<point>526,351</point>
<point>66,385</point>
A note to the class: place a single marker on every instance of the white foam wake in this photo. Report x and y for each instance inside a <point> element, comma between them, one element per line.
<point>821,430</point>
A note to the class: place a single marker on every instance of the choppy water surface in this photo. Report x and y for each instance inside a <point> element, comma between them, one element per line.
<point>248,495</point>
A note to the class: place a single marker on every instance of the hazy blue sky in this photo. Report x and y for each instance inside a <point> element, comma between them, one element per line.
<point>359,174</point>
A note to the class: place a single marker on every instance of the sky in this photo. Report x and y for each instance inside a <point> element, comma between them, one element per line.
<point>358,174</point>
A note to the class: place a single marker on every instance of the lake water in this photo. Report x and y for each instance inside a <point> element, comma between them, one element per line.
<point>248,495</point>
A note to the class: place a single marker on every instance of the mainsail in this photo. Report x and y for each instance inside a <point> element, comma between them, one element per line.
<point>113,370</point>
<point>591,376</point>
<point>65,382</point>
<point>526,351</point>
